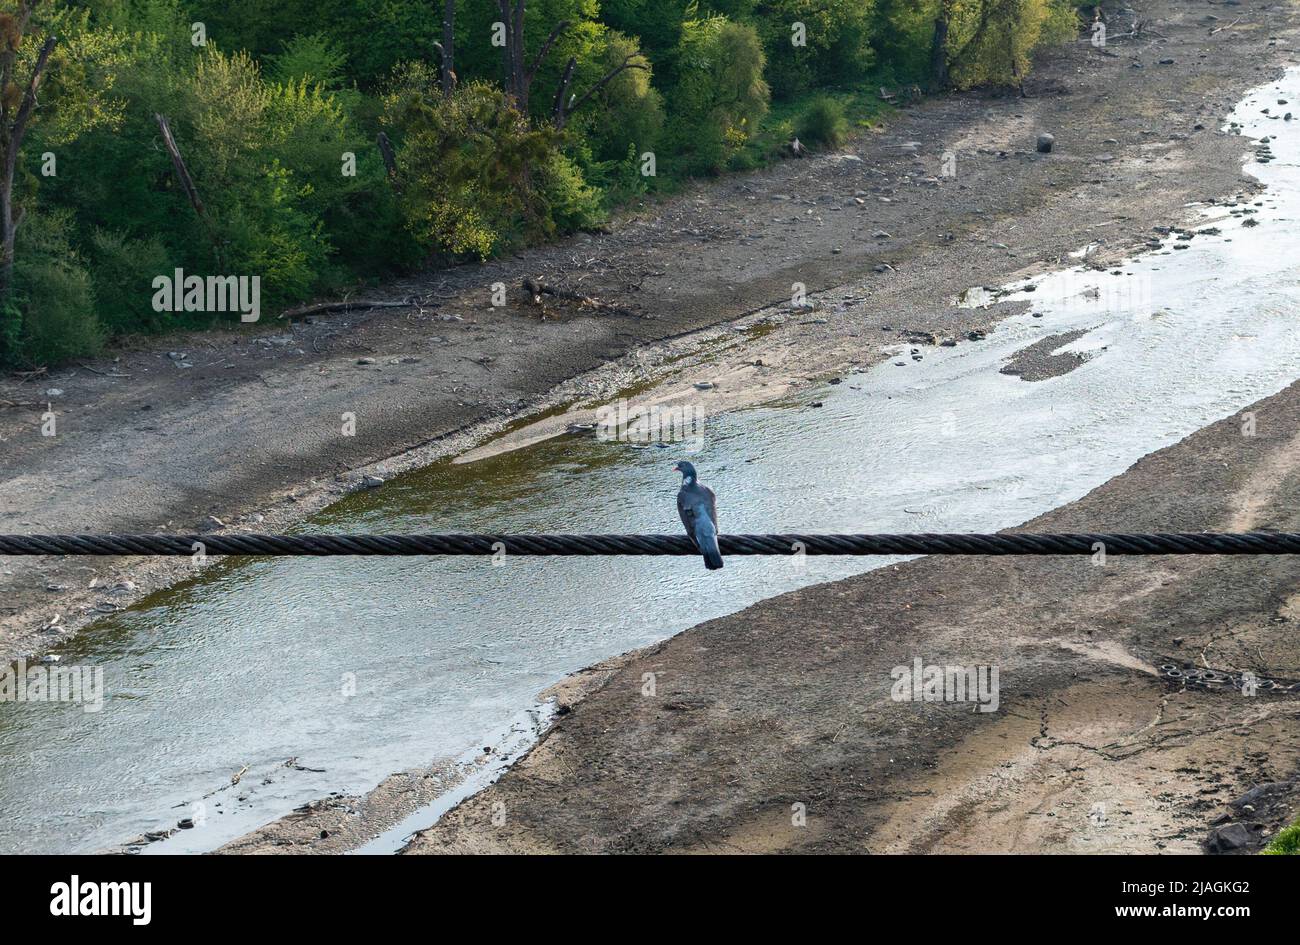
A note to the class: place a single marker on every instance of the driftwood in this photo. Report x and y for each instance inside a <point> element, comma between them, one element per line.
<point>536,289</point>
<point>92,370</point>
<point>322,307</point>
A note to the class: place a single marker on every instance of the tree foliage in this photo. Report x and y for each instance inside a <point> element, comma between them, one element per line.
<point>276,108</point>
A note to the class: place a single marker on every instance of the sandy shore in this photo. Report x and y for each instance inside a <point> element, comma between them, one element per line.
<point>243,431</point>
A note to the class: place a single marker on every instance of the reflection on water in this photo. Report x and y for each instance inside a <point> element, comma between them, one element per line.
<point>360,667</point>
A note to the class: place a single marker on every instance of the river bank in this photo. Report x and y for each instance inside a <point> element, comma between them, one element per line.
<point>246,431</point>
<point>777,729</point>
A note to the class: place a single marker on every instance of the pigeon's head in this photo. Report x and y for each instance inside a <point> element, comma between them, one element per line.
<point>687,471</point>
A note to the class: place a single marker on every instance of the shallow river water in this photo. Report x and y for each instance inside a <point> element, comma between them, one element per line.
<point>360,667</point>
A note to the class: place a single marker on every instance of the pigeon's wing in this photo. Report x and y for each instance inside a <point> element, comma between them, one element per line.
<point>712,506</point>
<point>686,511</point>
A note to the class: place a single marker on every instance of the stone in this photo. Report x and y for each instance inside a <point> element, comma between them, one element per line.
<point>1229,837</point>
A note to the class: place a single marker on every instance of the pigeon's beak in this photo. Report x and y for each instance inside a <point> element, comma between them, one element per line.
<point>676,468</point>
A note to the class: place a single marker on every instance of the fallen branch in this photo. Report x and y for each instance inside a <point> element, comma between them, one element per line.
<point>537,289</point>
<point>101,373</point>
<point>322,307</point>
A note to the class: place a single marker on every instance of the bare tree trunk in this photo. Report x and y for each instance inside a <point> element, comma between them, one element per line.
<point>518,74</point>
<point>187,185</point>
<point>558,109</point>
<point>13,127</point>
<point>390,158</point>
<point>447,48</point>
<point>562,111</point>
<point>939,47</point>
<point>178,164</point>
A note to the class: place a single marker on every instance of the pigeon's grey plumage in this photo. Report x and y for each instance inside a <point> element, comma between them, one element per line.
<point>698,507</point>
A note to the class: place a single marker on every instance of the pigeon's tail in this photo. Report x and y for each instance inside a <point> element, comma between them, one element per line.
<point>706,538</point>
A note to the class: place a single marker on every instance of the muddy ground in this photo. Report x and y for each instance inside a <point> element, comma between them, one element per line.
<point>776,730</point>
<point>244,430</point>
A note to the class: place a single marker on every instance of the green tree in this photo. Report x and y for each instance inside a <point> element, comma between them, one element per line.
<point>720,97</point>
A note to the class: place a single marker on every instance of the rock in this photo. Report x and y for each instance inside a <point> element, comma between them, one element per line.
<point>54,392</point>
<point>1045,143</point>
<point>975,335</point>
<point>371,482</point>
<point>704,385</point>
<point>881,235</point>
<point>185,824</point>
<point>1228,837</point>
<point>365,360</point>
<point>1166,62</point>
<point>50,658</point>
<point>1264,792</point>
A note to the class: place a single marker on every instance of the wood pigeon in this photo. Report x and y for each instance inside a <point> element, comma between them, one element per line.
<point>698,507</point>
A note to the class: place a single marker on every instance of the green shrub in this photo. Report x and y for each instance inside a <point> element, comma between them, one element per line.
<point>124,270</point>
<point>721,98</point>
<point>1286,843</point>
<point>823,123</point>
<point>53,301</point>
<point>467,166</point>
<point>567,201</point>
<point>836,49</point>
<point>314,58</point>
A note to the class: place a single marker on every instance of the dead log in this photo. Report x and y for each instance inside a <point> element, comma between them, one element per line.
<point>320,308</point>
<point>536,289</point>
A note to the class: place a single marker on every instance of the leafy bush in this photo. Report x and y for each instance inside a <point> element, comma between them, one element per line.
<point>124,268</point>
<point>1286,843</point>
<point>566,201</point>
<point>465,163</point>
<point>721,97</point>
<point>54,294</point>
<point>996,40</point>
<point>836,42</point>
<point>823,123</point>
